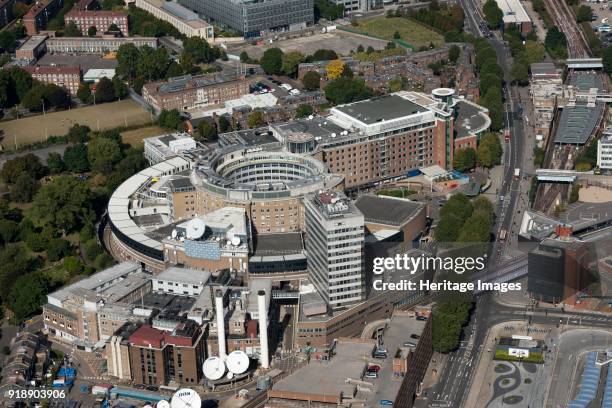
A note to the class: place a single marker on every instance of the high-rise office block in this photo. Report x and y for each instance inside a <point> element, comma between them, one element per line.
<point>335,239</point>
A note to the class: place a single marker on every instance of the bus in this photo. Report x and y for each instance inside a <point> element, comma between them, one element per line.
<point>502,235</point>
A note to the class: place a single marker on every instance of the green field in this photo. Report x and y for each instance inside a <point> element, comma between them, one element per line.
<point>410,31</point>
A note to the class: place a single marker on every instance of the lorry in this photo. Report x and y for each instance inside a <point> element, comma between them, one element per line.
<point>517,173</point>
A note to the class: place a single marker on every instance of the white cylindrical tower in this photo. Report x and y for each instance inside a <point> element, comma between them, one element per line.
<point>220,323</point>
<point>263,328</point>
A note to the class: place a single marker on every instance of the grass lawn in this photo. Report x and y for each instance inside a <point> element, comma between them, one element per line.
<point>410,31</point>
<point>134,137</point>
<point>501,354</point>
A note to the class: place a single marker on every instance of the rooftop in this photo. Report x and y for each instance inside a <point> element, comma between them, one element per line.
<point>328,379</point>
<point>380,109</point>
<point>544,69</point>
<point>184,275</point>
<point>577,123</point>
<point>471,119</point>
<point>181,83</point>
<point>33,42</point>
<point>586,81</point>
<point>247,138</point>
<point>514,12</point>
<point>278,244</point>
<point>387,210</point>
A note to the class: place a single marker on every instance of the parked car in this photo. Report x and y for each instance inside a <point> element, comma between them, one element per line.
<point>415,336</point>
<point>371,374</point>
<point>409,344</point>
<point>421,318</point>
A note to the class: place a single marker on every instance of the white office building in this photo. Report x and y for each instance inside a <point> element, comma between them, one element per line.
<point>163,147</point>
<point>335,239</point>
<point>604,152</point>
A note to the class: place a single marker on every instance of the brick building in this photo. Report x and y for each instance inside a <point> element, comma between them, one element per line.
<point>158,357</point>
<point>65,77</point>
<point>95,45</point>
<point>100,19</point>
<point>39,15</point>
<point>186,92</point>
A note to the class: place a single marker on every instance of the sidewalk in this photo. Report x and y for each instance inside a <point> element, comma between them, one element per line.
<point>495,380</point>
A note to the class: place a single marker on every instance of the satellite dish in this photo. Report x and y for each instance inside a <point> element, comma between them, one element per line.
<point>213,368</point>
<point>196,228</point>
<point>174,234</point>
<point>235,241</point>
<point>237,362</point>
<point>163,404</point>
<point>186,398</point>
<point>230,375</point>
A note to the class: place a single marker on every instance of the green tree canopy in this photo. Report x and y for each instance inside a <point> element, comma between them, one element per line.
<point>464,159</point>
<point>255,119</point>
<point>272,61</point>
<point>345,90</point>
<point>71,30</point>
<point>458,205</point>
<point>207,131</point>
<point>493,14</point>
<point>105,91</point>
<point>304,110</point>
<point>170,119</point>
<point>55,163</point>
<point>27,294</point>
<point>91,31</point>
<point>75,158</point>
<point>84,93</point>
<point>323,55</point>
<point>291,60</point>
<point>29,164</point>
<point>311,81</point>
<point>453,53</point>
<point>24,188</point>
<point>64,203</point>
<point>102,154</point>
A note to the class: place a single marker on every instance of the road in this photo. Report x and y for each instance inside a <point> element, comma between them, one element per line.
<point>43,153</point>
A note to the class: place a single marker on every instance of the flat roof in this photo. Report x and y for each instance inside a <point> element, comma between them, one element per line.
<point>184,275</point>
<point>471,119</point>
<point>381,109</point>
<point>543,68</point>
<point>577,123</point>
<point>387,210</point>
<point>513,10</point>
<point>586,81</point>
<point>278,244</point>
<point>328,378</point>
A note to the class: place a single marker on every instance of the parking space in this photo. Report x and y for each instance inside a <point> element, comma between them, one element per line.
<point>602,17</point>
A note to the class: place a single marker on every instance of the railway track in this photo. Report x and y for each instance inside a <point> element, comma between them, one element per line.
<point>564,19</point>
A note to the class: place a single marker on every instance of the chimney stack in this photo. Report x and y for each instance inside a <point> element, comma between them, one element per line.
<point>263,329</point>
<point>220,323</point>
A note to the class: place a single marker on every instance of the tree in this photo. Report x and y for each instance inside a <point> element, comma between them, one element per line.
<point>197,50</point>
<point>71,30</point>
<point>24,188</point>
<point>75,158</point>
<point>489,150</point>
<point>493,14</point>
<point>459,206</point>
<point>607,59</point>
<point>291,60</point>
<point>345,90</point>
<point>584,14</point>
<point>78,133</point>
<point>64,203</point>
<point>84,93</point>
<point>574,193</point>
<point>224,124</point>
<point>244,57</point>
<point>520,72</point>
<point>73,265</point>
<point>272,61</point>
<point>121,90</point>
<point>449,317</point>
<point>102,154</point>
<point>9,231</point>
<point>556,43</point>
<point>113,28</point>
<point>484,206</point>
<point>19,9</point>
<point>127,60</point>
<point>323,55</point>
<point>464,159</point>
<point>255,119</point>
<point>360,48</point>
<point>170,119</point>
<point>327,10</point>
<point>311,81</point>
<point>29,164</point>
<point>91,31</point>
<point>207,131</point>
<point>152,64</point>
<point>27,294</point>
<point>395,84</point>
<point>335,68</point>
<point>33,100</point>
<point>174,70</point>
<point>476,228</point>
<point>453,53</point>
<point>57,249</point>
<point>55,163</point>
<point>304,110</point>
<point>105,91</point>
<point>447,230</point>
<point>56,96</point>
